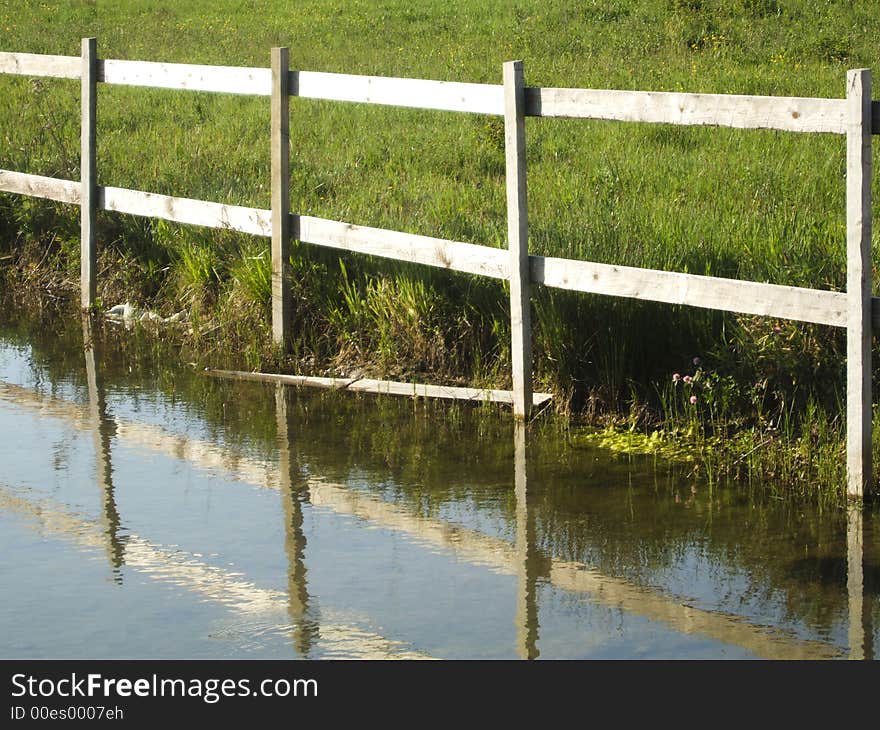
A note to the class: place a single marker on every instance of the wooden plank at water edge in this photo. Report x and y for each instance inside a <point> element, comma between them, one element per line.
<point>793,114</point>
<point>386,387</point>
<point>34,64</point>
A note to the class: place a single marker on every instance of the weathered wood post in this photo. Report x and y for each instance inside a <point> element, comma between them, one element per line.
<point>858,282</point>
<point>88,174</point>
<point>280,198</point>
<point>518,238</point>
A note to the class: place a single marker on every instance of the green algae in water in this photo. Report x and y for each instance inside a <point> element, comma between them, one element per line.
<point>660,443</point>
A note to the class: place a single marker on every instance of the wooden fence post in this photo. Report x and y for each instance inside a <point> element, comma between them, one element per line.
<point>280,198</point>
<point>518,238</point>
<point>859,411</point>
<point>88,174</point>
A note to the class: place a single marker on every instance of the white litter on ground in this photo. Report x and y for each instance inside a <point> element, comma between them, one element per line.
<point>128,314</point>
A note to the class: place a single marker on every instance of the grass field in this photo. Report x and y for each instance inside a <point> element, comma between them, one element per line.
<point>767,206</point>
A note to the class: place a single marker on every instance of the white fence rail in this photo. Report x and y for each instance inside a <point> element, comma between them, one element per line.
<point>855,117</point>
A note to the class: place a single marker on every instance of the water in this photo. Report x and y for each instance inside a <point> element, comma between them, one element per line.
<point>148,511</point>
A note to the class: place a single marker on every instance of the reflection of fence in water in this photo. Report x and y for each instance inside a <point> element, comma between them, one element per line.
<point>514,101</point>
<point>259,607</point>
<point>522,559</point>
<point>102,430</point>
<point>170,565</point>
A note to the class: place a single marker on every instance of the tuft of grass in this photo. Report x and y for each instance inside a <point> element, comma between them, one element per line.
<point>251,274</point>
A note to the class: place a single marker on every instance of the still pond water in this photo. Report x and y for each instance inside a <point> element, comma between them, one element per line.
<point>147,511</point>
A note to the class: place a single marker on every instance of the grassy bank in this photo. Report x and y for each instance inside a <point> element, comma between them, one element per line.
<point>745,204</point>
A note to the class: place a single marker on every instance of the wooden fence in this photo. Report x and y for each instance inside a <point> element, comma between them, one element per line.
<point>514,101</point>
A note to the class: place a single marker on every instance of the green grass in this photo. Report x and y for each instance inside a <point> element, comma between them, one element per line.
<point>760,205</point>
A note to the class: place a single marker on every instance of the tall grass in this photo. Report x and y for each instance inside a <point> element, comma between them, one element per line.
<point>767,206</point>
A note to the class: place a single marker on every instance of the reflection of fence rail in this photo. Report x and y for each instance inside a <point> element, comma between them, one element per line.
<point>523,557</point>
<point>514,101</point>
<point>258,606</point>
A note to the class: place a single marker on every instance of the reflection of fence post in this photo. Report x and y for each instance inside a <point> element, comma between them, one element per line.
<point>858,281</point>
<point>526,554</point>
<point>280,197</point>
<point>89,186</point>
<point>305,627</point>
<point>855,582</point>
<point>103,429</point>
<point>518,238</point>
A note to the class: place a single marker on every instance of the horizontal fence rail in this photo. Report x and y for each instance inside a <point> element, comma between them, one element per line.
<point>34,64</point>
<point>708,292</point>
<point>669,287</point>
<point>37,186</point>
<point>856,116</point>
<point>190,77</point>
<point>793,114</point>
